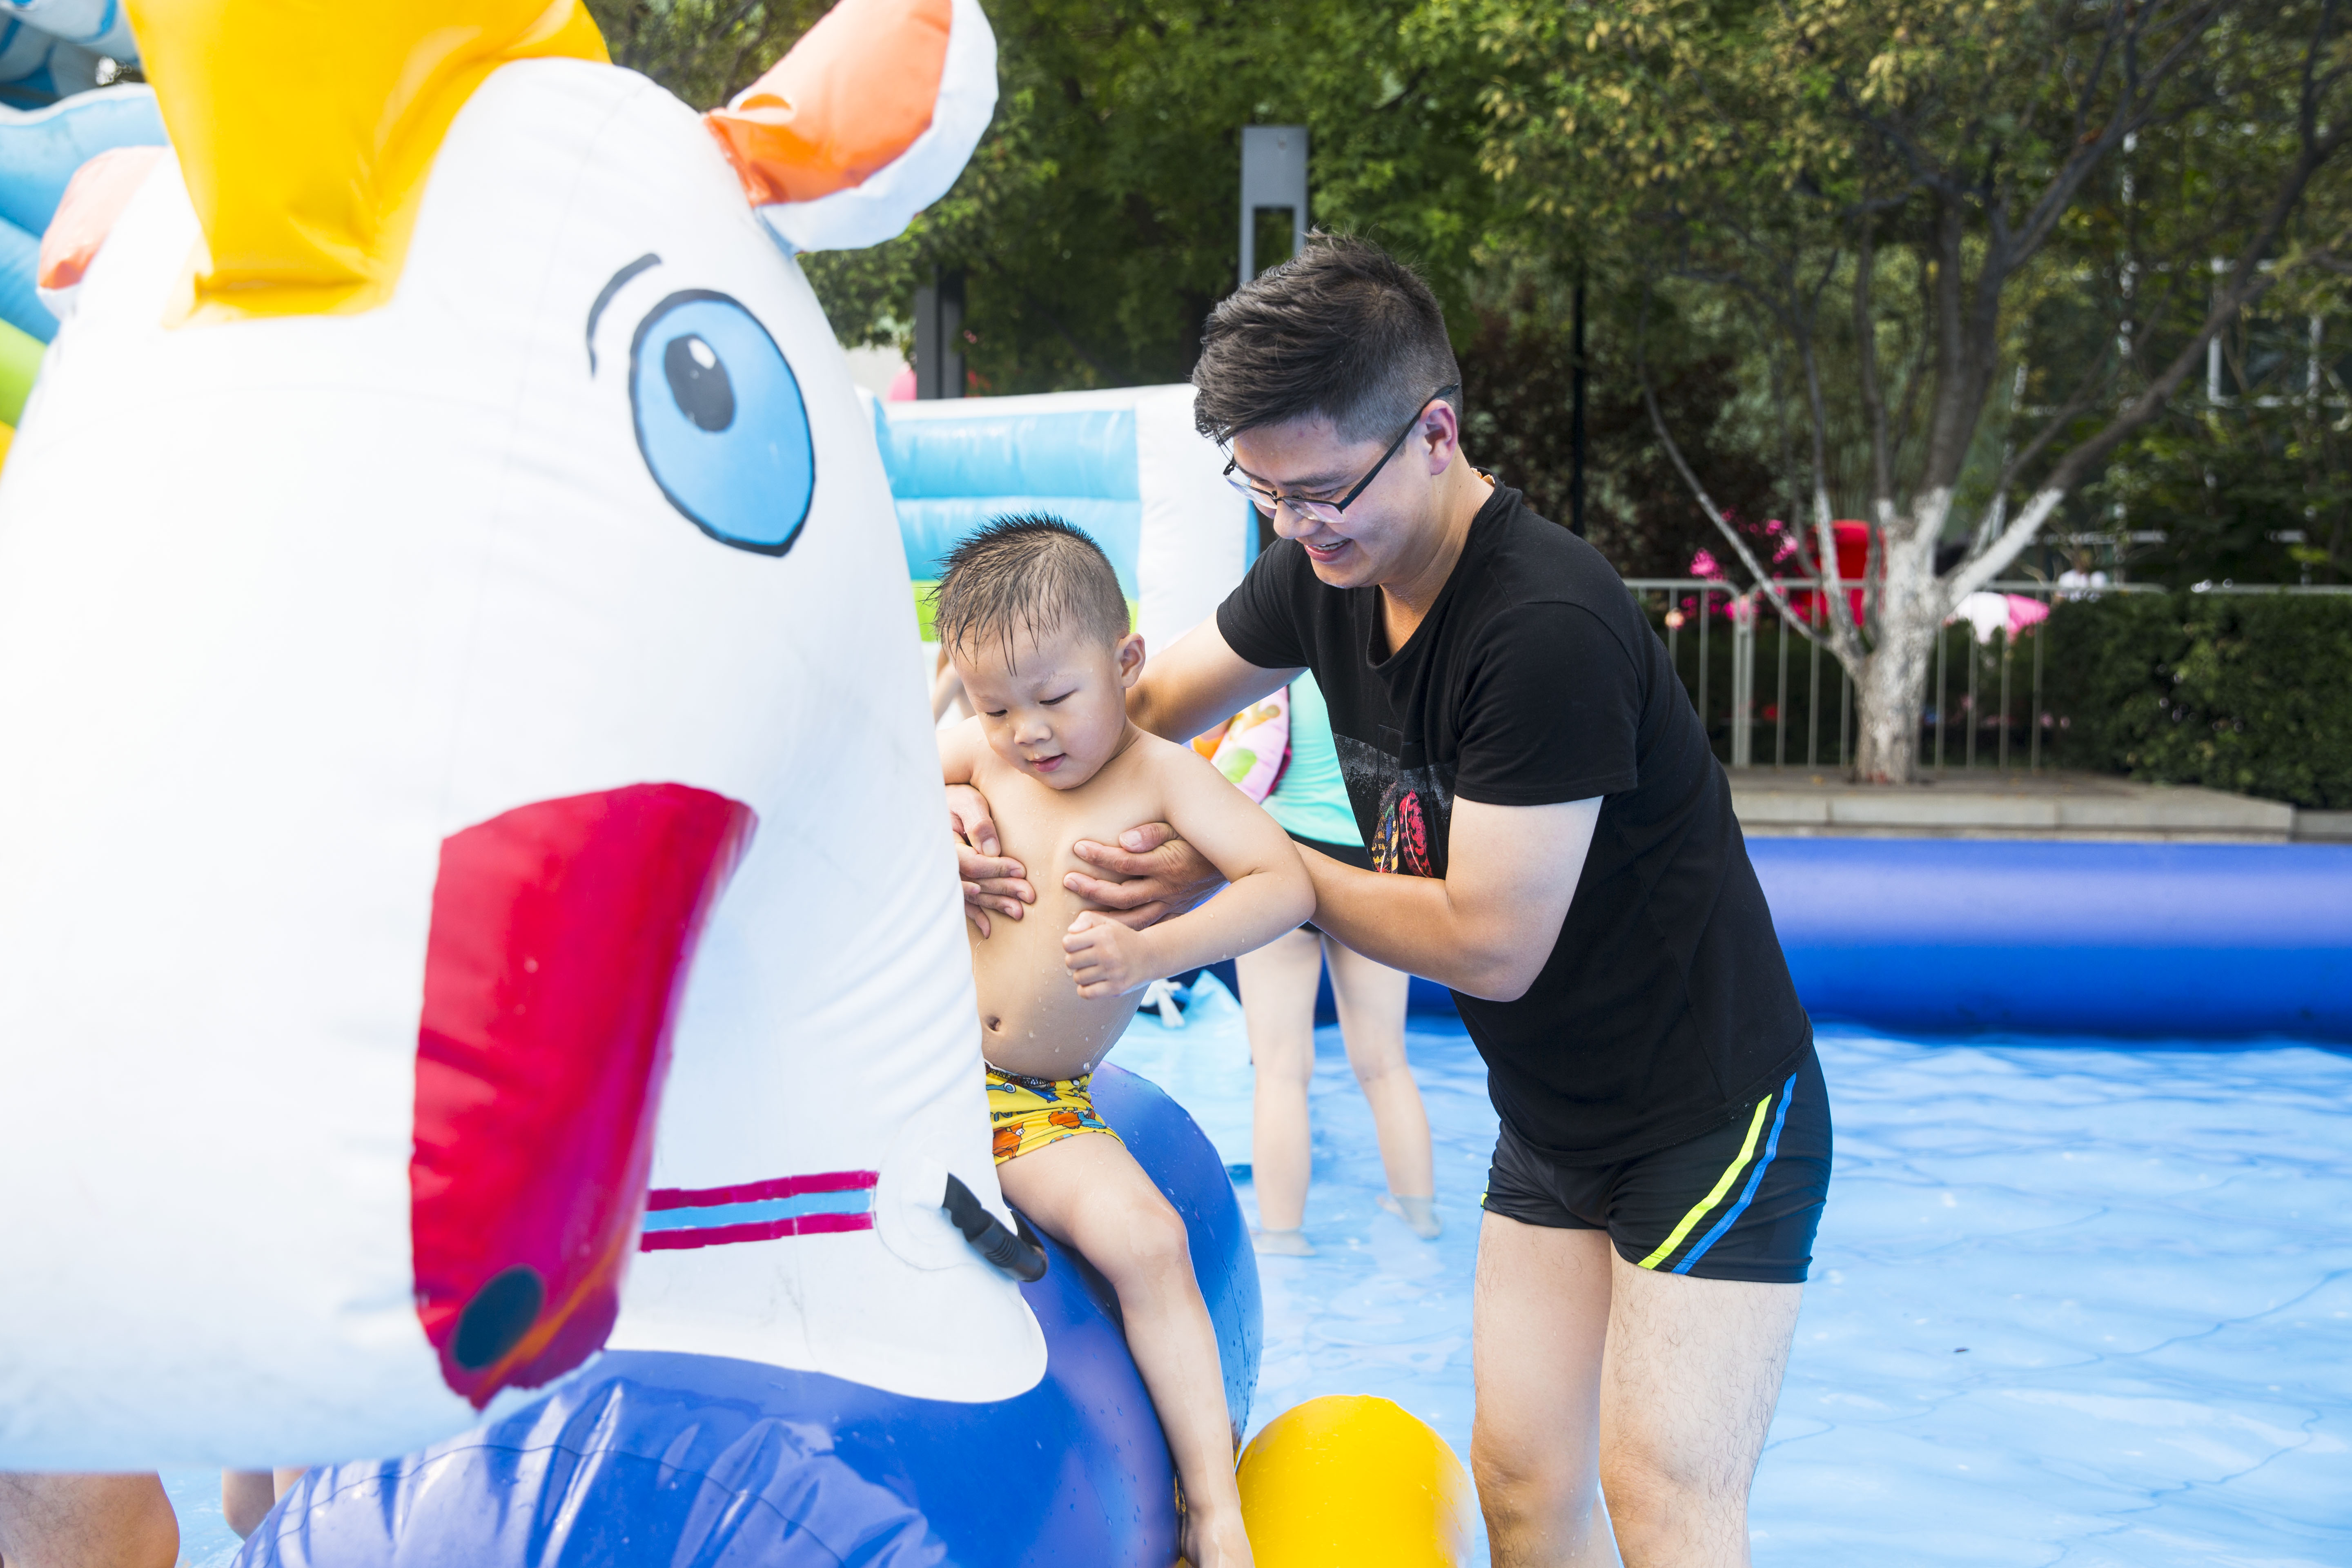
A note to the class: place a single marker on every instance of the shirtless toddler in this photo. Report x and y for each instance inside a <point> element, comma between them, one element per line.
<point>1032,614</point>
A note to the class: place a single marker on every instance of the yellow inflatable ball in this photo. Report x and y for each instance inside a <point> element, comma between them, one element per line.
<point>1352,1482</point>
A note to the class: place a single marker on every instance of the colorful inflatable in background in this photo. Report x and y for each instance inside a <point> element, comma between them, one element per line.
<point>52,48</point>
<point>1125,464</point>
<point>40,151</point>
<point>463,768</point>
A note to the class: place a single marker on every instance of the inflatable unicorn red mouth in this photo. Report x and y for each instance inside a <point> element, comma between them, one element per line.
<point>453,661</point>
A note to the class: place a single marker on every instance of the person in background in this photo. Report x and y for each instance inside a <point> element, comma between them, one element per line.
<point>1278,984</point>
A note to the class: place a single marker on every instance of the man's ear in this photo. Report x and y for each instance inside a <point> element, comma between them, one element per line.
<point>865,122</point>
<point>1440,435</point>
<point>1130,659</point>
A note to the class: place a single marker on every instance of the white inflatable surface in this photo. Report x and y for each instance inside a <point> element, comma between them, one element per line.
<point>291,606</point>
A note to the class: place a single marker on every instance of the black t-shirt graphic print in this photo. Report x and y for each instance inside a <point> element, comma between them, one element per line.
<point>1665,1004</point>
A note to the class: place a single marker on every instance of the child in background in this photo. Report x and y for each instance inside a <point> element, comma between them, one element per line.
<point>1033,616</point>
<point>1279,983</point>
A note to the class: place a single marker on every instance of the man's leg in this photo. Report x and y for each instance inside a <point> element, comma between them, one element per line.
<point>86,1521</point>
<point>1087,1191</point>
<point>1692,1374</point>
<point>1541,1319</point>
<point>1661,1385</point>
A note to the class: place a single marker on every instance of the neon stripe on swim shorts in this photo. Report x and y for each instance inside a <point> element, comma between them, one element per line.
<point>1722,1185</point>
<point>1755,1180</point>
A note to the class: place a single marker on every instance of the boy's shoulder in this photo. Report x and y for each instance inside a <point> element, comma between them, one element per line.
<point>1157,767</point>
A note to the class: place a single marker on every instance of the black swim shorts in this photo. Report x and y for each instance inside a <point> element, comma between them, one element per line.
<point>1739,1203</point>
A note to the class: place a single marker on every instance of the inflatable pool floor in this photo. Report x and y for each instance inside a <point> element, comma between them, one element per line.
<point>2073,1303</point>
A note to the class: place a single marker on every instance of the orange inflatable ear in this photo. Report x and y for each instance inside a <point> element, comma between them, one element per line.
<point>867,121</point>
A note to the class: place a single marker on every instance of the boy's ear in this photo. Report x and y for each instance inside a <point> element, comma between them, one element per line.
<point>1130,659</point>
<point>867,121</point>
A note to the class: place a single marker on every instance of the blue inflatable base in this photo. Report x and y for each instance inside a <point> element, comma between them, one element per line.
<point>2150,940</point>
<point>1943,936</point>
<point>651,1459</point>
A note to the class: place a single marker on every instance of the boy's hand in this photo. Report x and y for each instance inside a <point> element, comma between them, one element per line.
<point>989,882</point>
<point>1105,958</point>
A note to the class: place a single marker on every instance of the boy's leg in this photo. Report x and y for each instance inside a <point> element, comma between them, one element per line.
<point>86,1521</point>
<point>1278,1003</point>
<point>1371,1000</point>
<point>1088,1193</point>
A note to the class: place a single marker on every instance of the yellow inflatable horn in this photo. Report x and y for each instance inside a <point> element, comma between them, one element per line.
<point>305,130</point>
<point>1353,1481</point>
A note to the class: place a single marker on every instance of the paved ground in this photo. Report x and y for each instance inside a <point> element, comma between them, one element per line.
<point>1986,803</point>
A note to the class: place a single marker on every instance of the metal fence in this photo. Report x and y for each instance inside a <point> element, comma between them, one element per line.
<point>1716,636</point>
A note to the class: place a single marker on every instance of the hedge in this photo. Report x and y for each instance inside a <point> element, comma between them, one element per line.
<point>2251,693</point>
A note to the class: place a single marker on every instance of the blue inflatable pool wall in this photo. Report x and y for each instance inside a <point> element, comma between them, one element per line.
<point>677,1459</point>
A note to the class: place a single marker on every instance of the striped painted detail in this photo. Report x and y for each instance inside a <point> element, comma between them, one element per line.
<point>825,1203</point>
<point>1755,1180</point>
<point>1715,1195</point>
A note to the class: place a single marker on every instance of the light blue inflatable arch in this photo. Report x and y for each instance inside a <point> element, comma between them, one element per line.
<point>1126,466</point>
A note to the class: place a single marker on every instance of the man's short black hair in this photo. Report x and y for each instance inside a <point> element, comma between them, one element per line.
<point>1027,573</point>
<point>1343,330</point>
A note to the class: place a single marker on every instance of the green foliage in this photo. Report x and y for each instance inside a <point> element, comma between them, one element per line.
<point>2249,693</point>
<point>705,51</point>
<point>1099,220</point>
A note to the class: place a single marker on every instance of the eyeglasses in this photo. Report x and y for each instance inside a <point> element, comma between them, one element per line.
<point>1329,511</point>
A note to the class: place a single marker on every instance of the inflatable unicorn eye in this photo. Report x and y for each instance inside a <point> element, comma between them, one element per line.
<point>721,421</point>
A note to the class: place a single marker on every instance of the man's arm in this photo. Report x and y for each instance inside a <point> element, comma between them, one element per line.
<point>1487,927</point>
<point>1269,891</point>
<point>1196,682</point>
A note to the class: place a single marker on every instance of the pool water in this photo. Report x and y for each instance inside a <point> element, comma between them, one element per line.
<point>2073,1302</point>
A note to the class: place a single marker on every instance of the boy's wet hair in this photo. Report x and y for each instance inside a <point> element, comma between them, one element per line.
<point>1027,573</point>
<point>1342,329</point>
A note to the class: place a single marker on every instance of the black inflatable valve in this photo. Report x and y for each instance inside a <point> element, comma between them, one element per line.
<point>1019,1256</point>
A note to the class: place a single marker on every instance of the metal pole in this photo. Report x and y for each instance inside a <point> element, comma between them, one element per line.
<point>1814,709</point>
<point>1743,685</point>
<point>1780,702</point>
<point>1702,666</point>
<point>939,335</point>
<point>1975,719</point>
<point>2040,633</point>
<point>1943,691</point>
<point>1845,708</point>
<point>2007,647</point>
<point>1673,636</point>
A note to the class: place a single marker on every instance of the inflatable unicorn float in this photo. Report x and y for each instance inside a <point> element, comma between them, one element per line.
<point>480,978</point>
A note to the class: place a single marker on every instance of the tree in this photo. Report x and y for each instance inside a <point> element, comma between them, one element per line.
<point>1979,240</point>
<point>1097,223</point>
<point>705,51</point>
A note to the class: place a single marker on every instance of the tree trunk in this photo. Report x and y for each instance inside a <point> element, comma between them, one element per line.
<point>1891,689</point>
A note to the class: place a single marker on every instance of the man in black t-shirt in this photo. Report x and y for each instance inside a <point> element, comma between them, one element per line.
<point>1553,839</point>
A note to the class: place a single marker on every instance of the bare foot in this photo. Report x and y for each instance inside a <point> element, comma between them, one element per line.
<point>1214,1541</point>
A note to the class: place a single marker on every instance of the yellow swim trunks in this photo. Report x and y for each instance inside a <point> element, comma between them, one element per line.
<point>1028,1113</point>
